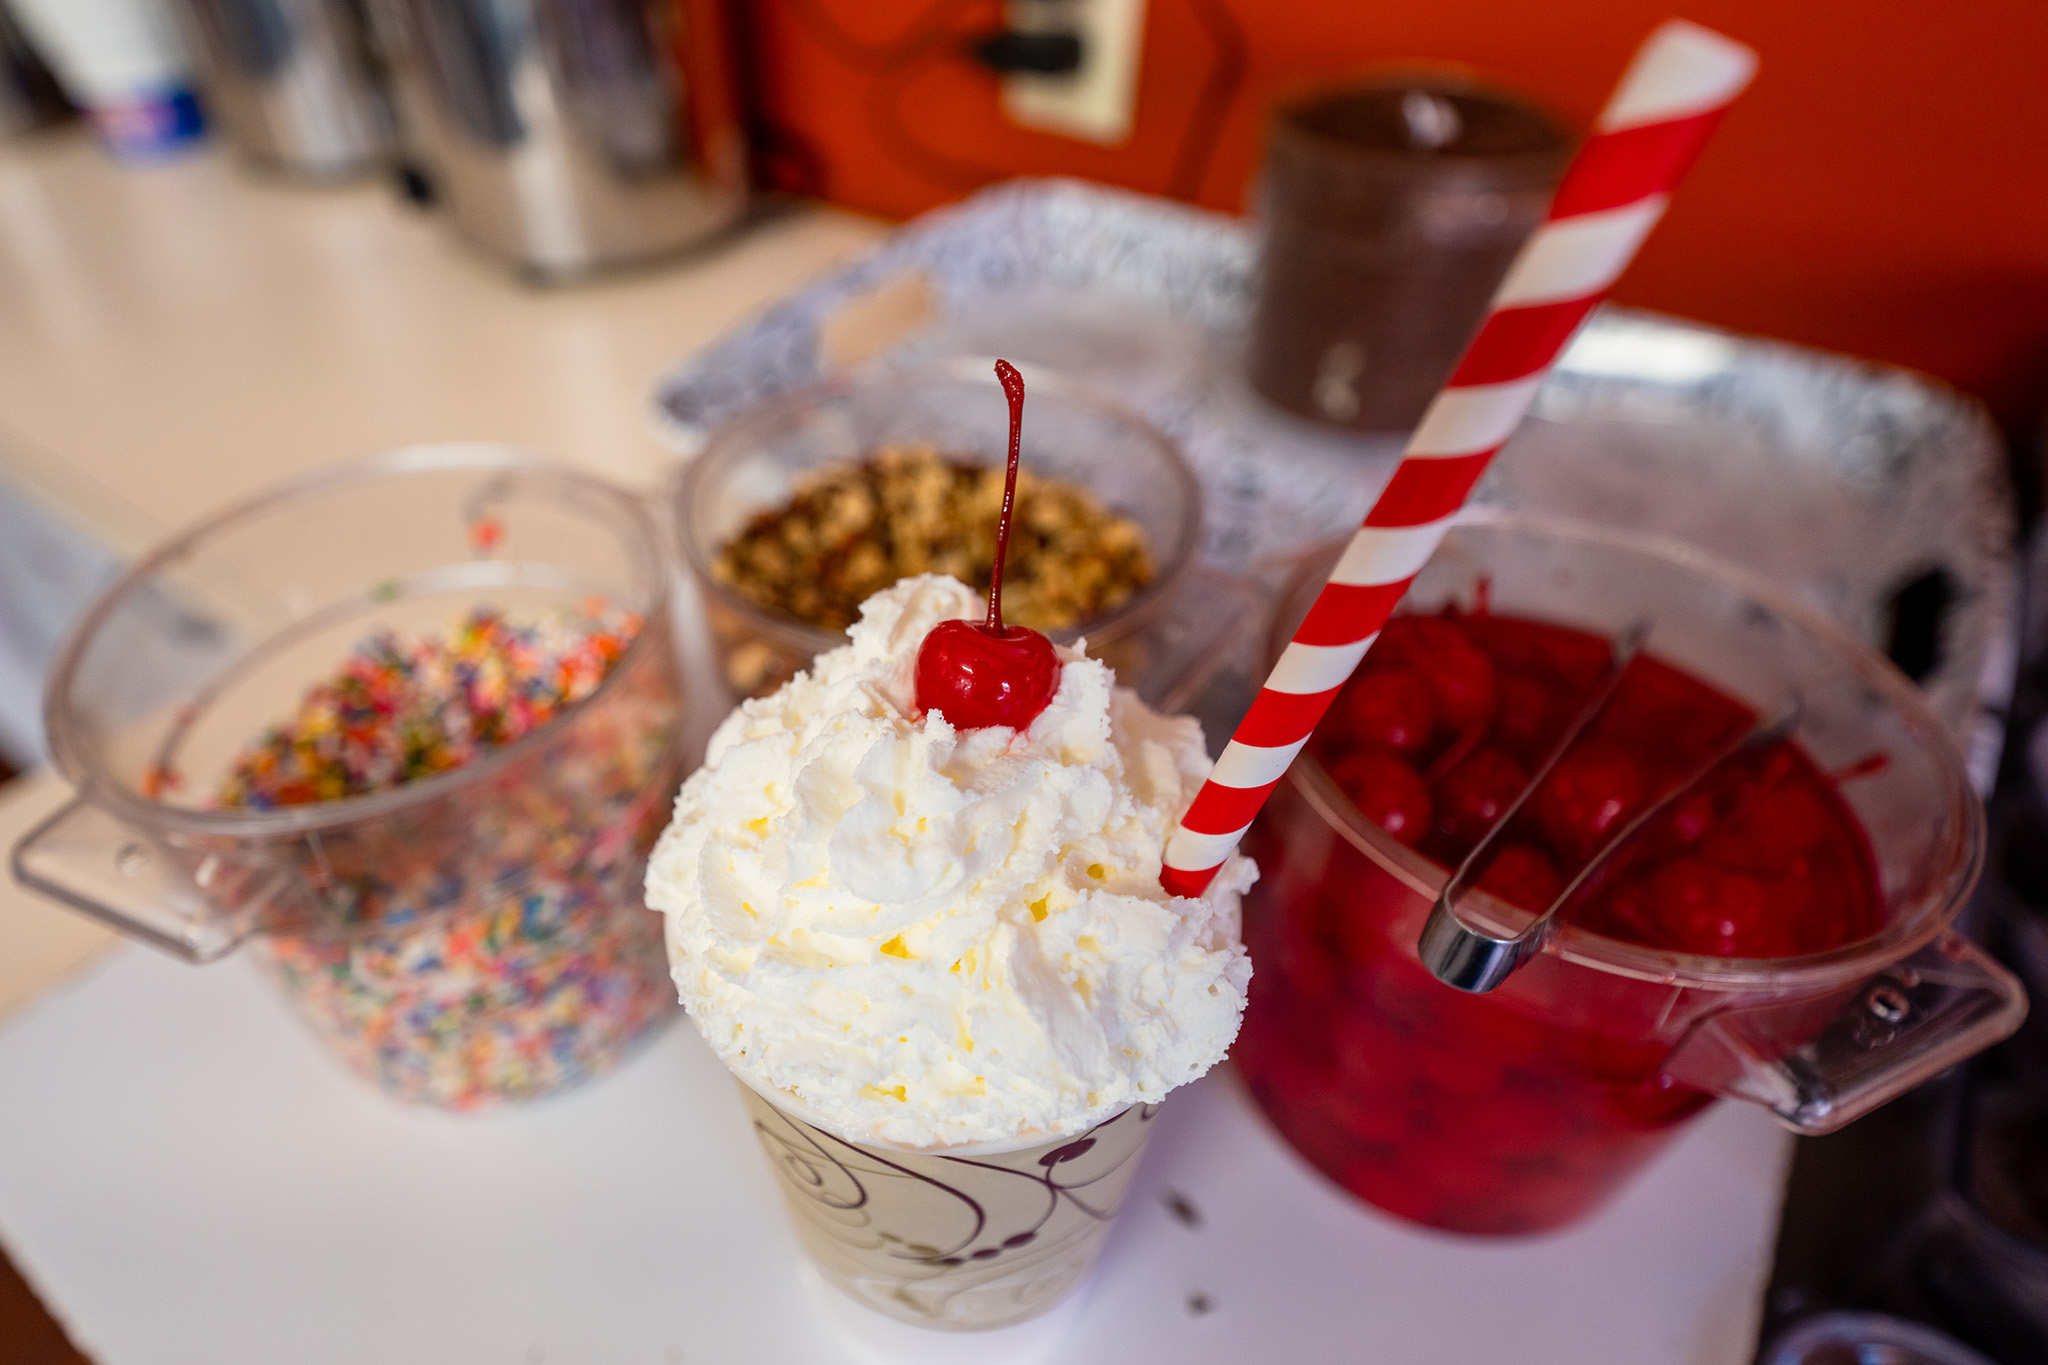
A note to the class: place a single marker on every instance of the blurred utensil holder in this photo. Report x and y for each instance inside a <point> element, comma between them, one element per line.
<point>294,83</point>
<point>566,136</point>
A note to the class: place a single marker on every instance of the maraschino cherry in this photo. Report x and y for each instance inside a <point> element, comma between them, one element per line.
<point>976,673</point>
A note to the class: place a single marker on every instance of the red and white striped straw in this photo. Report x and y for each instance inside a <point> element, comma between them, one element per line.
<point>1673,94</point>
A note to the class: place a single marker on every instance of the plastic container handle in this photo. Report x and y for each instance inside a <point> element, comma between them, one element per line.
<point>1916,1018</point>
<point>90,861</point>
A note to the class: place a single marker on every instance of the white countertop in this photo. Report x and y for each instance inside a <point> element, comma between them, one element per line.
<point>177,334</point>
<point>191,1182</point>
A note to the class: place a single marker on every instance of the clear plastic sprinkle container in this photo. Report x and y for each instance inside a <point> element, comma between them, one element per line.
<point>467,655</point>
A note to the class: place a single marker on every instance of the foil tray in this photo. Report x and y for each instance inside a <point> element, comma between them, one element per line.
<point>1877,494</point>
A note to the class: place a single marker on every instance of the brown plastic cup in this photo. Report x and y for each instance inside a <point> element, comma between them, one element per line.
<point>964,1238</point>
<point>1392,209</point>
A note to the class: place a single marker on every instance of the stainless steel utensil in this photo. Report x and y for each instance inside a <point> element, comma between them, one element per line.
<point>292,81</point>
<point>567,135</point>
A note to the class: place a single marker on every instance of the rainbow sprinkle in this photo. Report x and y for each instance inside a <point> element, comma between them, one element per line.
<point>400,710</point>
<point>491,942</point>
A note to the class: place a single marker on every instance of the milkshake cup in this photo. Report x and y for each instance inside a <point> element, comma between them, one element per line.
<point>939,961</point>
<point>962,1238</point>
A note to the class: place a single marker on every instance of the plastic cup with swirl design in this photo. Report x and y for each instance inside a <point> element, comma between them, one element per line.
<point>963,1238</point>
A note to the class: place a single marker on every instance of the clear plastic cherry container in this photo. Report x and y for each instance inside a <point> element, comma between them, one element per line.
<point>1528,1107</point>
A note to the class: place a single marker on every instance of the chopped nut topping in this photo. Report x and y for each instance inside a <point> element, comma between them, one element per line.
<point>852,530</point>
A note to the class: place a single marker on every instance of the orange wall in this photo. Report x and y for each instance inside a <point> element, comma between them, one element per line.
<point>1882,189</point>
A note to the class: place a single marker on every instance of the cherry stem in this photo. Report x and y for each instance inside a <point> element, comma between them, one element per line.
<point>1013,389</point>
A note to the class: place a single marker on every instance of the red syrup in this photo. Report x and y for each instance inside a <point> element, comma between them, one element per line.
<point>982,673</point>
<point>1525,1109</point>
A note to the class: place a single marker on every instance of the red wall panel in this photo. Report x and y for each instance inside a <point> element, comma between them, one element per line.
<point>1882,190</point>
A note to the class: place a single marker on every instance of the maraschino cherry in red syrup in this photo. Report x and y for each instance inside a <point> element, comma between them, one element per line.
<point>1439,732</point>
<point>1523,1109</point>
<point>982,673</point>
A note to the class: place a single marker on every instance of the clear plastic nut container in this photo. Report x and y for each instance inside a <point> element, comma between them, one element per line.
<point>475,935</point>
<point>757,462</point>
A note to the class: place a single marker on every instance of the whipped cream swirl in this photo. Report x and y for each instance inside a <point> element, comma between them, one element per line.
<point>934,937</point>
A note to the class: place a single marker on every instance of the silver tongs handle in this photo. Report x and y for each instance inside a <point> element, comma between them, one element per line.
<point>1472,959</point>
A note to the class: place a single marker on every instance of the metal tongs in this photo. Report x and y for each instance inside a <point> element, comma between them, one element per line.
<point>1475,960</point>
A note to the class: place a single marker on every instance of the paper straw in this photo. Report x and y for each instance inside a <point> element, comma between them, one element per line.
<point>1673,94</point>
